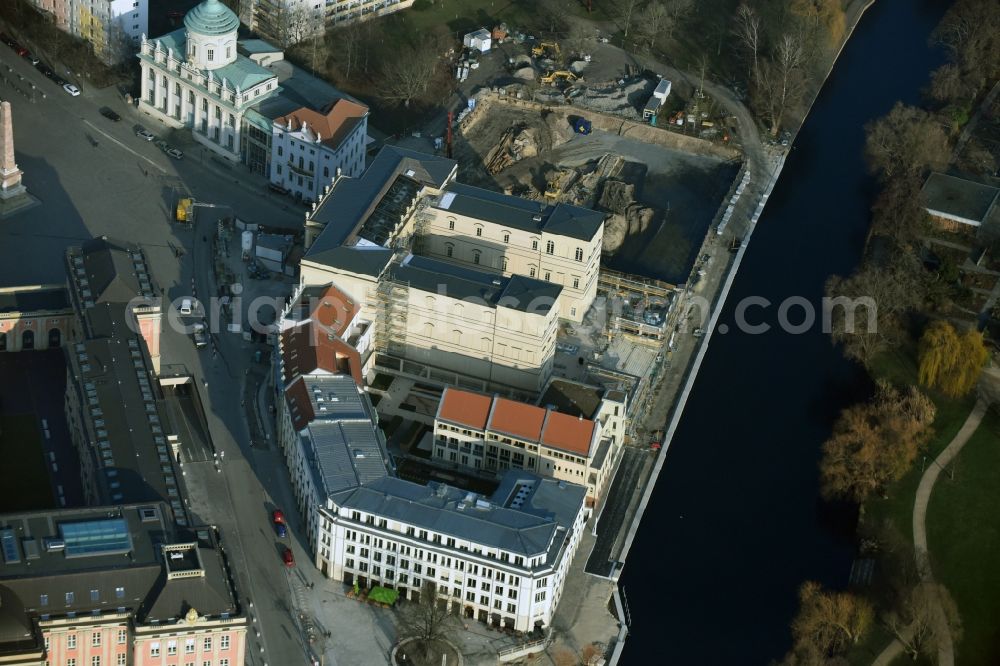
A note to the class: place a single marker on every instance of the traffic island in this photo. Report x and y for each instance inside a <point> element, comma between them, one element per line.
<point>418,652</point>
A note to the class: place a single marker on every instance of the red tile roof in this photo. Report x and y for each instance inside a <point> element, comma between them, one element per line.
<point>569,433</point>
<point>517,419</point>
<point>307,346</point>
<point>465,408</point>
<point>333,126</point>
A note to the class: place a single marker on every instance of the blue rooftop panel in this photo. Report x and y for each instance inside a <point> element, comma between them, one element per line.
<point>96,537</point>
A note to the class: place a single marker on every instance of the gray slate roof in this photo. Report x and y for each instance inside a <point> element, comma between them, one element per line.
<point>529,529</point>
<point>517,213</point>
<point>458,282</point>
<point>352,200</point>
<point>344,447</point>
<point>55,299</point>
<point>359,259</point>
<point>959,197</point>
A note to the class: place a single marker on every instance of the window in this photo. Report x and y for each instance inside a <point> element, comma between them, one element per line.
<point>223,662</point>
<point>576,283</point>
<point>503,263</point>
<point>122,636</point>
<point>540,596</point>
<point>208,643</point>
<point>70,596</point>
<point>229,50</point>
<point>475,256</point>
<point>121,659</point>
<point>211,55</point>
<point>479,231</point>
<point>171,647</point>
<point>449,249</point>
<point>224,643</point>
<point>579,254</point>
<point>451,224</point>
<point>548,276</point>
<point>534,244</point>
<point>95,639</point>
<point>119,592</point>
<point>95,660</point>
<point>189,646</point>
<point>43,600</point>
<point>506,237</point>
<point>154,649</point>
<point>71,662</point>
<point>550,247</point>
<point>71,641</point>
<point>95,595</point>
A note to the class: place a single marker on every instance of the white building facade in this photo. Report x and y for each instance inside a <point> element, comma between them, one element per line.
<point>194,78</point>
<point>502,560</point>
<point>113,27</point>
<point>310,149</point>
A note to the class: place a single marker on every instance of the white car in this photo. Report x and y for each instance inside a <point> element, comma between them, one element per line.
<point>71,89</point>
<point>174,153</point>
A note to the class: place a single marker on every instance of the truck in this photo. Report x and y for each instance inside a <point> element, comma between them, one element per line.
<point>582,126</point>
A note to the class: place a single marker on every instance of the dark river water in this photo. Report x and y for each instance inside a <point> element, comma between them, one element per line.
<point>735,524</point>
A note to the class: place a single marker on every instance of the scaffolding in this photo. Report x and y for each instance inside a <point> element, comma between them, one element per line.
<point>421,221</point>
<point>392,308</point>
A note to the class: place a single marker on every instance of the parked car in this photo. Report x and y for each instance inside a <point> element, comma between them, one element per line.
<point>163,145</point>
<point>32,59</point>
<point>45,70</point>
<point>21,51</point>
<point>174,153</point>
<point>287,557</point>
<point>281,529</point>
<point>5,38</point>
<point>71,89</point>
<point>278,517</point>
<point>145,134</point>
<point>200,336</point>
<point>109,114</point>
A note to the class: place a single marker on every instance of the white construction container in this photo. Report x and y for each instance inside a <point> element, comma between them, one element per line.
<point>480,40</point>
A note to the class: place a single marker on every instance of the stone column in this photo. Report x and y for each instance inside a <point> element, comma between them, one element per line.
<point>10,175</point>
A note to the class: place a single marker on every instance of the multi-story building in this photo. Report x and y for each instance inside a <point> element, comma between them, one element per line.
<point>291,21</point>
<point>195,78</point>
<point>497,434</point>
<point>114,404</point>
<point>509,235</point>
<point>501,559</point>
<point>115,586</point>
<point>328,433</point>
<point>34,317</point>
<point>310,148</point>
<point>113,27</point>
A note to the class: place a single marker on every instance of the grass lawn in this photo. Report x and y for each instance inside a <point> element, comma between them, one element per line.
<point>964,539</point>
<point>24,481</point>
<point>900,368</point>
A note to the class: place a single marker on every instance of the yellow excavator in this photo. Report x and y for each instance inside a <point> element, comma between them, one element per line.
<point>546,47</point>
<point>560,75</point>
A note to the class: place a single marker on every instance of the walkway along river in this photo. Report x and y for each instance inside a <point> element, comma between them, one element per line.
<point>735,523</point>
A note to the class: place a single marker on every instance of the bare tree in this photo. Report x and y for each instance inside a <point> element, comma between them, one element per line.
<point>407,74</point>
<point>925,613</point>
<point>906,141</point>
<point>748,35</point>
<point>425,619</point>
<point>289,25</point>
<point>626,12</point>
<point>780,81</point>
<point>652,21</point>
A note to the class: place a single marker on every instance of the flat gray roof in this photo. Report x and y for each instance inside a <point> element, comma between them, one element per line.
<point>458,282</point>
<point>518,213</point>
<point>572,398</point>
<point>958,197</point>
<point>360,259</point>
<point>35,300</point>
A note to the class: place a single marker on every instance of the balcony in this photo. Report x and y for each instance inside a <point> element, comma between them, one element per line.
<point>302,171</point>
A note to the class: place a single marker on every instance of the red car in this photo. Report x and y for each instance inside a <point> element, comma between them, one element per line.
<point>288,558</point>
<point>278,517</point>
<point>21,51</point>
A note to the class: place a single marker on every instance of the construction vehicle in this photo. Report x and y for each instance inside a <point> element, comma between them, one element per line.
<point>185,210</point>
<point>543,48</point>
<point>582,126</point>
<point>560,75</point>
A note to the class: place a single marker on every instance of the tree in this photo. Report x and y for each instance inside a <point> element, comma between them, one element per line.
<point>906,141</point>
<point>922,615</point>
<point>626,12</point>
<point>951,362</point>
<point>866,310</point>
<point>949,85</point>
<point>824,19</point>
<point>748,35</point>
<point>660,17</point>
<point>780,81</point>
<point>899,212</point>
<point>970,30</point>
<point>289,24</point>
<point>407,74</point>
<point>425,619</point>
<point>827,623</point>
<point>874,444</point>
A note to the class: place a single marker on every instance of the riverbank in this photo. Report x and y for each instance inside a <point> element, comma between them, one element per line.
<point>765,382</point>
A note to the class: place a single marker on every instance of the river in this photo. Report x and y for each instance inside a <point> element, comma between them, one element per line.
<point>735,523</point>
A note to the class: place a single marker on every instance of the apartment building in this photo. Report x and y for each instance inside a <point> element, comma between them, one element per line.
<point>115,586</point>
<point>195,78</point>
<point>328,432</point>
<point>501,559</point>
<point>509,235</point>
<point>114,405</point>
<point>290,21</point>
<point>113,27</point>
<point>497,434</point>
<point>310,148</point>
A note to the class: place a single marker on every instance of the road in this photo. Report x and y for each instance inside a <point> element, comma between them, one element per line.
<point>94,177</point>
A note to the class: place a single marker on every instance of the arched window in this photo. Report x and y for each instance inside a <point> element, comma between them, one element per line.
<point>430,302</point>
<point>531,271</point>
<point>55,338</point>
<point>449,249</point>
<point>550,247</point>
<point>476,254</point>
<point>28,340</point>
<point>456,336</point>
<point>506,237</point>
<point>503,263</point>
<point>428,330</point>
<point>484,344</point>
<point>579,254</point>
<point>479,230</point>
<point>451,223</point>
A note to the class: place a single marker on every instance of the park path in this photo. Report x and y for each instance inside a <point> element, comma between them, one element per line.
<point>946,649</point>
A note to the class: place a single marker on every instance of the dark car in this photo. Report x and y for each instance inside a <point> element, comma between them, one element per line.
<point>109,114</point>
<point>281,529</point>
<point>45,70</point>
<point>5,38</point>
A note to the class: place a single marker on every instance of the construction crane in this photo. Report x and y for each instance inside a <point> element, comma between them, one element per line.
<point>561,75</point>
<point>186,208</point>
<point>543,47</point>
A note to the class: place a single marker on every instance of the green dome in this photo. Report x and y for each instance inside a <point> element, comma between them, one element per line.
<point>211,18</point>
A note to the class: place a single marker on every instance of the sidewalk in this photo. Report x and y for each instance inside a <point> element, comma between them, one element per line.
<point>946,649</point>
